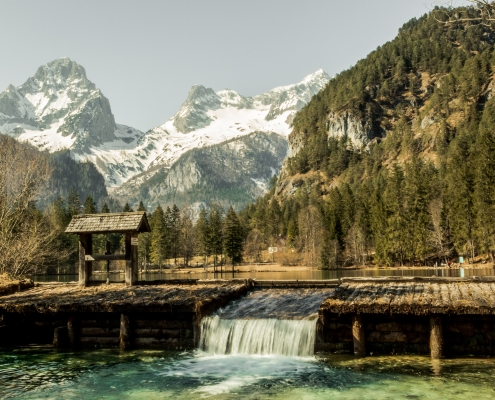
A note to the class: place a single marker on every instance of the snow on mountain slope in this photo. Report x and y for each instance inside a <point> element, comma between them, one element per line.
<point>60,108</point>
<point>208,118</point>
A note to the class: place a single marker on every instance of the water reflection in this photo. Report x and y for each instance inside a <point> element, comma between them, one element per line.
<point>309,274</point>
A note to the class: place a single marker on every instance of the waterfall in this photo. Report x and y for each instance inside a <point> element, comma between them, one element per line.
<point>258,336</point>
<point>267,322</point>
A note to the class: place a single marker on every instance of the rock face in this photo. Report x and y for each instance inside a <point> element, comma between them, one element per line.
<point>345,124</point>
<point>60,94</point>
<point>232,173</point>
<point>193,113</point>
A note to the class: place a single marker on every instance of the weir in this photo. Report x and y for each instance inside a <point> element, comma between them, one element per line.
<point>443,317</point>
<point>267,322</point>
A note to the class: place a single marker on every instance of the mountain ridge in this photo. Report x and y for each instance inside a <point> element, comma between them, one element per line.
<point>60,108</point>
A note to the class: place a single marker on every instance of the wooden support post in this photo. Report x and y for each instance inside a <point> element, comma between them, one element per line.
<point>125,332</point>
<point>72,332</point>
<point>85,267</point>
<point>89,264</point>
<point>436,337</point>
<point>358,335</point>
<point>131,259</point>
<point>60,336</point>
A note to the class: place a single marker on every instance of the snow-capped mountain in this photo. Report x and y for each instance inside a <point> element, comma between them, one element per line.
<point>208,118</point>
<point>60,108</point>
<point>232,173</point>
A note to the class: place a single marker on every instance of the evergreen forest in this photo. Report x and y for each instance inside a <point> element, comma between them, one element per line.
<point>414,183</point>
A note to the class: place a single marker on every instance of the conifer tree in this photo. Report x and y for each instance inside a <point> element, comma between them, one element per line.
<point>233,240</point>
<point>105,209</point>
<point>89,206</point>
<point>484,182</point>
<point>141,206</point>
<point>144,247</point>
<point>175,233</point>
<point>73,202</point>
<point>158,236</point>
<point>396,215</point>
<point>127,208</point>
<point>167,232</point>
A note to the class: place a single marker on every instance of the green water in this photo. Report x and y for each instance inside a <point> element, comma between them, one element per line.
<point>110,374</point>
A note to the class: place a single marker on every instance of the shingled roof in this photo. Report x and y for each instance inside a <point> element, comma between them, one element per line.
<point>413,295</point>
<point>110,222</point>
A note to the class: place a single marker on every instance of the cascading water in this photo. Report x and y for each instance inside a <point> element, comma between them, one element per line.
<point>269,322</point>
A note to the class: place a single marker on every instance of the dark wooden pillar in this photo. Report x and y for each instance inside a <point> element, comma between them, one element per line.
<point>358,335</point>
<point>131,259</point>
<point>72,332</point>
<point>125,332</point>
<point>85,267</point>
<point>60,336</point>
<point>436,337</point>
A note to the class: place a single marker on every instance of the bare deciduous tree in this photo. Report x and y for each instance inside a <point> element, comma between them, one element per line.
<point>188,235</point>
<point>310,233</point>
<point>254,245</point>
<point>357,244</point>
<point>485,14</point>
<point>26,240</point>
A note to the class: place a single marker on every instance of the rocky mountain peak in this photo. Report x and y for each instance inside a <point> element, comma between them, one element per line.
<point>192,114</point>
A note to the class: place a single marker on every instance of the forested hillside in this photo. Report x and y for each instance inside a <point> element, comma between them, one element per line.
<point>393,161</point>
<point>69,174</point>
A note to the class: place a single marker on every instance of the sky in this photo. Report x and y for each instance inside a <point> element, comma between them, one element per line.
<point>145,55</point>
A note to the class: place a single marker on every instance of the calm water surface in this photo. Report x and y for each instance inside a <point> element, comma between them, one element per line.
<point>314,274</point>
<point>108,374</point>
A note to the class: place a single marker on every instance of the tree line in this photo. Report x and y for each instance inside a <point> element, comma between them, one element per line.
<point>174,239</point>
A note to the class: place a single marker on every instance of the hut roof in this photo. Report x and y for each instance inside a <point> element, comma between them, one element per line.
<point>413,295</point>
<point>109,222</point>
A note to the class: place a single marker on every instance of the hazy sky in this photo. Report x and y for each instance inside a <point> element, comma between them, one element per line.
<point>145,55</point>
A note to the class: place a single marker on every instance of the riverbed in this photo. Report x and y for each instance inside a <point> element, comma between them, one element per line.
<point>38,373</point>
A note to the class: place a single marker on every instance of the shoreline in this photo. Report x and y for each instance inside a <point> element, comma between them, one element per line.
<point>277,268</point>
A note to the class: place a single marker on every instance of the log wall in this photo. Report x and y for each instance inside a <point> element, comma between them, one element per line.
<point>408,334</point>
<point>174,331</point>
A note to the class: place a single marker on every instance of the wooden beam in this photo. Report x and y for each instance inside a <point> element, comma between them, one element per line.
<point>358,335</point>
<point>104,257</point>
<point>437,344</point>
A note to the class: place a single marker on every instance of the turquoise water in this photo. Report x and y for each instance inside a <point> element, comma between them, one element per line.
<point>38,373</point>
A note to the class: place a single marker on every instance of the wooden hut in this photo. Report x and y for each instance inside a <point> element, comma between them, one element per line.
<point>129,223</point>
<point>442,316</point>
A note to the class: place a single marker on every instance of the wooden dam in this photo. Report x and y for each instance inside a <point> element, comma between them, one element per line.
<point>443,317</point>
